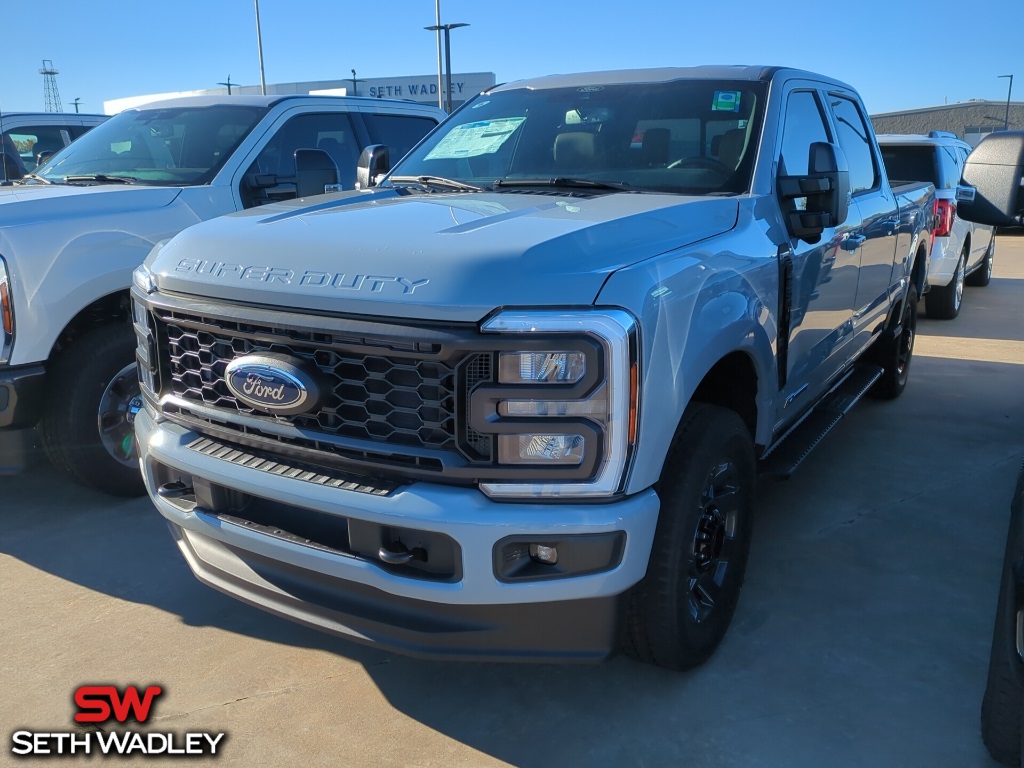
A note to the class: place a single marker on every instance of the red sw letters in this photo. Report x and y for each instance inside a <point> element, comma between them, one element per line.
<point>98,703</point>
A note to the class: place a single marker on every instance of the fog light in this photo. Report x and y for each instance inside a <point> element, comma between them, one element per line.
<point>543,554</point>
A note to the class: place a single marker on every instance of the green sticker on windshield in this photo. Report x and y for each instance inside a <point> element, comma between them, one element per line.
<point>726,101</point>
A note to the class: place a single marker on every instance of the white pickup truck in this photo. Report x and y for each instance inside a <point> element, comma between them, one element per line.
<point>73,230</point>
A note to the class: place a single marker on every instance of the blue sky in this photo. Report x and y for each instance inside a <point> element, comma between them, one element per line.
<point>899,55</point>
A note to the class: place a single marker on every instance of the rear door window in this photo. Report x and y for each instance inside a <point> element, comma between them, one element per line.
<point>400,132</point>
<point>855,139</point>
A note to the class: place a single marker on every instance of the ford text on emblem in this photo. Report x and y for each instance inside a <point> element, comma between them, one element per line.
<point>277,385</point>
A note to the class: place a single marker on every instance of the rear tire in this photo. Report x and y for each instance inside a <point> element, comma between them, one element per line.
<point>1001,707</point>
<point>91,400</point>
<point>679,613</point>
<point>982,276</point>
<point>943,301</point>
<point>895,354</point>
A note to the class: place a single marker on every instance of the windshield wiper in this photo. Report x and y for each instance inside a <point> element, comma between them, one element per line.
<point>99,178</point>
<point>565,182</point>
<point>436,181</point>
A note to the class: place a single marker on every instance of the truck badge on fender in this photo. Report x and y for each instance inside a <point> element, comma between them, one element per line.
<point>276,385</point>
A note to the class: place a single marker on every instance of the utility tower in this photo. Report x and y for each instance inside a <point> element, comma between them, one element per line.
<point>50,93</point>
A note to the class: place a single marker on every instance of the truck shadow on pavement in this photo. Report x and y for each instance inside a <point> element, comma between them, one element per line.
<point>122,548</point>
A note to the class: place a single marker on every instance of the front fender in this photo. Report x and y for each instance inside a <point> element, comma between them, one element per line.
<point>695,308</point>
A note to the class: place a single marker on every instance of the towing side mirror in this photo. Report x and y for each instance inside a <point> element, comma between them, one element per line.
<point>374,161</point>
<point>991,191</point>
<point>315,173</point>
<point>826,187</point>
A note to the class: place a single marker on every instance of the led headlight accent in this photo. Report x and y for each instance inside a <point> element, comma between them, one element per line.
<point>589,425</point>
<point>6,314</point>
<point>142,278</point>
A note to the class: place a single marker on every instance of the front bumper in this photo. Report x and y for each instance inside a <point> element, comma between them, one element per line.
<point>474,612</point>
<point>21,396</point>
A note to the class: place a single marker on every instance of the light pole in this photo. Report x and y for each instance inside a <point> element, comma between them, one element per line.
<point>76,102</point>
<point>448,57</point>
<point>259,45</point>
<point>354,81</point>
<point>228,84</point>
<point>1006,120</point>
<point>437,29</point>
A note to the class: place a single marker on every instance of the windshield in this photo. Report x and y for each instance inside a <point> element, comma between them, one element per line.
<point>159,146</point>
<point>687,136</point>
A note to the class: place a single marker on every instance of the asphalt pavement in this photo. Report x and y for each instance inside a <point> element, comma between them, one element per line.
<point>861,637</point>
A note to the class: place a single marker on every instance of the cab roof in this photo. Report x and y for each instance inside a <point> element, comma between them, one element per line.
<point>753,73</point>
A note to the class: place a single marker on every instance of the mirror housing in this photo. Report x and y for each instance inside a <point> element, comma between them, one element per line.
<point>827,189</point>
<point>991,192</point>
<point>315,173</point>
<point>374,161</point>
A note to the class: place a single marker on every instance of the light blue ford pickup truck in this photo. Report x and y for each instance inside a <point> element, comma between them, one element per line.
<point>509,400</point>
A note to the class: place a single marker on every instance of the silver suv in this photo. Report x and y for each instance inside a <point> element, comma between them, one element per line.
<point>28,138</point>
<point>961,251</point>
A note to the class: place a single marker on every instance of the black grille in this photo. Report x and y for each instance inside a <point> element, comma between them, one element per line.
<point>387,398</point>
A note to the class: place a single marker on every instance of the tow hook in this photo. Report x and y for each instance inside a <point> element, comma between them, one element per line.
<point>397,553</point>
<point>174,490</point>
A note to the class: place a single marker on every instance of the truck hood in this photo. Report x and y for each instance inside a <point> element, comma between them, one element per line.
<point>453,257</point>
<point>61,201</point>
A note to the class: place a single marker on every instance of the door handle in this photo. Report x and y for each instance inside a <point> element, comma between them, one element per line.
<point>853,242</point>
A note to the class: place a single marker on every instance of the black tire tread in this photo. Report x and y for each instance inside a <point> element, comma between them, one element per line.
<point>890,385</point>
<point>70,439</point>
<point>654,631</point>
<point>982,276</point>
<point>1002,706</point>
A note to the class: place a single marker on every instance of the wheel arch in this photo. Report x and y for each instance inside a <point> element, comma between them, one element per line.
<point>106,310</point>
<point>733,381</point>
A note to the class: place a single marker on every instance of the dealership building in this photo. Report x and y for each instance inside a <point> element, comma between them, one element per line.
<point>419,88</point>
<point>970,120</point>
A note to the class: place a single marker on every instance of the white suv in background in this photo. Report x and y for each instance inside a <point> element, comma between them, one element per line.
<point>961,251</point>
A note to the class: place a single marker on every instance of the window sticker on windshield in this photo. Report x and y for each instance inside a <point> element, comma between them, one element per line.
<point>726,101</point>
<point>472,139</point>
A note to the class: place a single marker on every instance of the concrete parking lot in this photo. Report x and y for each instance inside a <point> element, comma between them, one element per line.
<point>861,638</point>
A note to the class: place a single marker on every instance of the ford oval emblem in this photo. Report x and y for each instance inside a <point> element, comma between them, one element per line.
<point>277,385</point>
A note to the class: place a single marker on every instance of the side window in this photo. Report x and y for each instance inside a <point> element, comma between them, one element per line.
<point>31,140</point>
<point>804,125</point>
<point>855,140</point>
<point>951,167</point>
<point>332,133</point>
<point>78,130</point>
<point>400,132</point>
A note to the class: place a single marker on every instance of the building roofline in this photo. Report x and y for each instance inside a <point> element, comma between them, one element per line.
<point>957,105</point>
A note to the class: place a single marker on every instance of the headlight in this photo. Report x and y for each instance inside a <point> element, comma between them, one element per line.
<point>145,348</point>
<point>542,367</point>
<point>6,314</point>
<point>564,407</point>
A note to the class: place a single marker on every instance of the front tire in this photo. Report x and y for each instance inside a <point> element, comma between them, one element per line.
<point>91,401</point>
<point>943,301</point>
<point>679,613</point>
<point>895,354</point>
<point>982,276</point>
